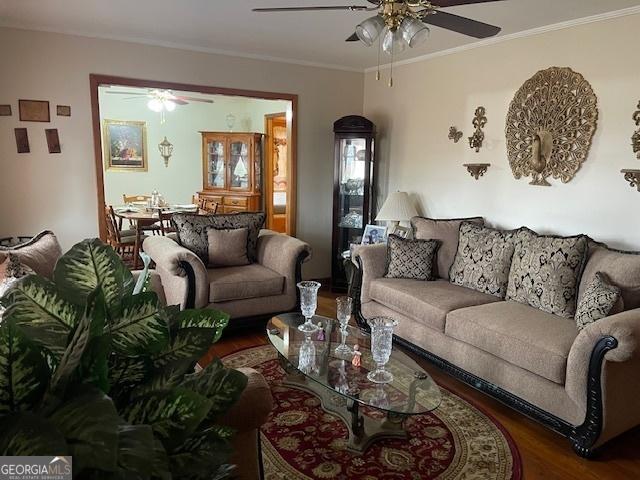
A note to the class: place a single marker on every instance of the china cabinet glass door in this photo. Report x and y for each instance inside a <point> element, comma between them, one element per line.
<point>239,166</point>
<point>216,163</point>
<point>352,181</point>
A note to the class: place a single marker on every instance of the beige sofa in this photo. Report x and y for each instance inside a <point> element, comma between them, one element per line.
<point>583,384</point>
<point>259,289</point>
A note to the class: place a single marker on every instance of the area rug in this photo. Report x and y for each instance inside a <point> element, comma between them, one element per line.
<point>302,441</point>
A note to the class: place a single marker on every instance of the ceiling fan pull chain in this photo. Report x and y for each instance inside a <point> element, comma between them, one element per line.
<point>379,48</point>
<point>391,70</point>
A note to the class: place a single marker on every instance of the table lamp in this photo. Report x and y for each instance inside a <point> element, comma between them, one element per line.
<point>398,207</point>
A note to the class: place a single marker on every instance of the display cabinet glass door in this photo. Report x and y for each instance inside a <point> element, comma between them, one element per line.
<point>239,166</point>
<point>351,199</point>
<point>216,171</point>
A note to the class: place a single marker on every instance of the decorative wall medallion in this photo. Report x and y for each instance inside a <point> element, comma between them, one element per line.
<point>550,125</point>
<point>479,121</point>
<point>477,170</point>
<point>635,139</point>
<point>455,134</point>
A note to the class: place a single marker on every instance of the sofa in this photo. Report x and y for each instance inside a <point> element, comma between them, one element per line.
<point>262,288</point>
<point>582,383</point>
<point>246,416</point>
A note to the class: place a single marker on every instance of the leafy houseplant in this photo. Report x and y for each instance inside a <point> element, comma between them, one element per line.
<point>93,367</point>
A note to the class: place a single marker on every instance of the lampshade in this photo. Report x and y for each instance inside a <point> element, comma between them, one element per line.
<point>369,30</point>
<point>393,43</point>
<point>397,208</point>
<point>414,31</point>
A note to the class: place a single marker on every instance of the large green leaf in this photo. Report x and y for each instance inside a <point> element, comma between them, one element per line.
<point>135,450</point>
<point>28,434</point>
<point>126,374</point>
<point>188,346</point>
<point>202,454</point>
<point>140,328</point>
<point>24,374</point>
<point>173,414</point>
<point>90,264</point>
<point>204,318</point>
<point>37,308</point>
<point>160,463</point>
<point>223,386</point>
<point>89,421</point>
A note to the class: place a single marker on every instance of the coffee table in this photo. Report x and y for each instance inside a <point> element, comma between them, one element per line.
<point>311,364</point>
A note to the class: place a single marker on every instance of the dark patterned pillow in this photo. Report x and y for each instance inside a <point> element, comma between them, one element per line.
<point>546,271</point>
<point>599,300</point>
<point>483,259</point>
<point>11,270</point>
<point>412,259</point>
<point>192,230</point>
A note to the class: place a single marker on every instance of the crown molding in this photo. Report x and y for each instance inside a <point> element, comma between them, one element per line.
<point>513,36</point>
<point>183,46</point>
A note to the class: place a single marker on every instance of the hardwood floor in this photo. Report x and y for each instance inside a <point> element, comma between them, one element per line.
<point>545,454</point>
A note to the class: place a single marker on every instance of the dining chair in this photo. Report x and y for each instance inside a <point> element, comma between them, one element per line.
<point>166,226</point>
<point>135,198</point>
<point>208,206</point>
<point>122,241</point>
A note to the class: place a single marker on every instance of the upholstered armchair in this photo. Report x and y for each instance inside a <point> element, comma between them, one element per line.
<point>267,286</point>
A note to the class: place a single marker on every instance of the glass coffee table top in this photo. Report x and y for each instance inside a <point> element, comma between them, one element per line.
<point>411,392</point>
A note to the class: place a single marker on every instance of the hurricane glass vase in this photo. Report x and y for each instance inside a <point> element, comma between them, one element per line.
<point>308,304</point>
<point>381,344</point>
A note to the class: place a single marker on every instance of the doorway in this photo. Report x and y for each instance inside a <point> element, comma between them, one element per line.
<point>278,192</point>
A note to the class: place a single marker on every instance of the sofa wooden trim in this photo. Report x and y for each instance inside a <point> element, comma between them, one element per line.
<point>582,437</point>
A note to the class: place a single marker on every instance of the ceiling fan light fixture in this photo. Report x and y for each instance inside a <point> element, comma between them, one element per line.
<point>155,105</point>
<point>169,105</point>
<point>369,30</point>
<point>414,32</point>
<point>393,42</point>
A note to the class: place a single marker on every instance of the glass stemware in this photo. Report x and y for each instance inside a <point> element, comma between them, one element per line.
<point>381,343</point>
<point>308,304</point>
<point>344,308</point>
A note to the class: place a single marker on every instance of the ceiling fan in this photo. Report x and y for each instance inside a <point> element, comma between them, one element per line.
<point>402,23</point>
<point>161,100</point>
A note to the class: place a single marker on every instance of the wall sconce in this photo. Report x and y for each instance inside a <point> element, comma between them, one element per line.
<point>166,149</point>
<point>479,121</point>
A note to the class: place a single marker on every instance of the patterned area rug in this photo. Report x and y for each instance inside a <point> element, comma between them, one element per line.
<point>302,441</point>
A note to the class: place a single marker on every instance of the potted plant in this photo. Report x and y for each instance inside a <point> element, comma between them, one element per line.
<point>92,366</point>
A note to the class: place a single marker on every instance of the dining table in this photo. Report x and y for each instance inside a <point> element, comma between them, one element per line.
<point>141,217</point>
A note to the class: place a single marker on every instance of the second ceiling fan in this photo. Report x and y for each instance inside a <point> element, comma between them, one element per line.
<point>403,23</point>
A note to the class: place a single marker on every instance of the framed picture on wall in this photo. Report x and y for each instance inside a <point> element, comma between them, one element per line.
<point>125,145</point>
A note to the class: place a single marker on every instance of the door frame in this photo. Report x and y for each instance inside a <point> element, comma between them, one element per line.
<point>98,80</point>
<point>268,188</point>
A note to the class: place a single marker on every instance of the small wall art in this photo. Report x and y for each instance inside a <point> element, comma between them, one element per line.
<point>5,110</point>
<point>34,110</point>
<point>635,138</point>
<point>479,121</point>
<point>53,140</point>
<point>22,140</point>
<point>455,134</point>
<point>63,110</point>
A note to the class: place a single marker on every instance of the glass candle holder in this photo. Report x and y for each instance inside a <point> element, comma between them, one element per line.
<point>344,307</point>
<point>381,344</point>
<point>308,304</point>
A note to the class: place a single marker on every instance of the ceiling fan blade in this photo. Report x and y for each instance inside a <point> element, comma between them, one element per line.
<point>195,99</point>
<point>353,38</point>
<point>454,3</point>
<point>463,25</point>
<point>179,101</point>
<point>354,8</point>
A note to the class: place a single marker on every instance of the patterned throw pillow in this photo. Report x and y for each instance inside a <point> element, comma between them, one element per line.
<point>598,301</point>
<point>11,270</point>
<point>192,230</point>
<point>546,270</point>
<point>412,259</point>
<point>483,259</point>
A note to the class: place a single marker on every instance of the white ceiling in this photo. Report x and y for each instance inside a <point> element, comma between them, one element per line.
<point>229,26</point>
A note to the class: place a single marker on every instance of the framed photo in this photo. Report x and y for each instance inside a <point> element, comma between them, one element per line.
<point>5,110</point>
<point>63,110</point>
<point>34,111</point>
<point>402,232</point>
<point>125,145</point>
<point>53,140</point>
<point>374,234</point>
<point>22,140</point>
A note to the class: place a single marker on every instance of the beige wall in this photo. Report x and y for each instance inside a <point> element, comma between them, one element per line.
<point>414,117</point>
<point>39,190</point>
<point>182,178</point>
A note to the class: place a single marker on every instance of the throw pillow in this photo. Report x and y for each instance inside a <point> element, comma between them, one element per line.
<point>11,270</point>
<point>227,247</point>
<point>192,230</point>
<point>445,230</point>
<point>546,271</point>
<point>483,259</point>
<point>621,267</point>
<point>600,299</point>
<point>411,259</point>
<point>40,253</point>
